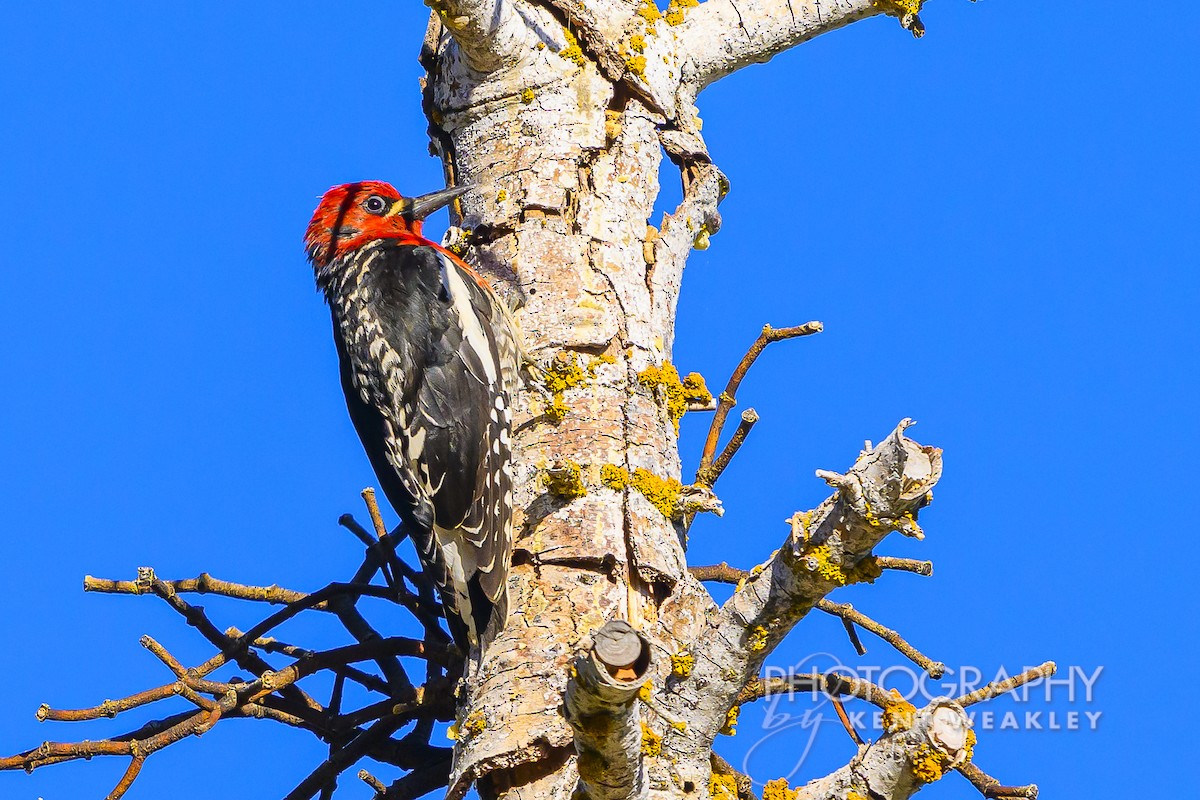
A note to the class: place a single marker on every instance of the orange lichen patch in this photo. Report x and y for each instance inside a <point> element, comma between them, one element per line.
<point>778,789</point>
<point>899,714</point>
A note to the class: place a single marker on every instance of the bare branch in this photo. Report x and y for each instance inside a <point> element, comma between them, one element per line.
<point>722,36</point>
<point>924,568</point>
<point>207,584</point>
<point>935,669</point>
<point>728,398</point>
<point>990,787</point>
<point>878,495</point>
<point>749,418</point>
<point>997,688</point>
<point>831,683</point>
<point>719,573</point>
<point>916,749</point>
<point>491,33</point>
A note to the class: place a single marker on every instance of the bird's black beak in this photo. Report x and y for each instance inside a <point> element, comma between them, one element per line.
<point>418,208</point>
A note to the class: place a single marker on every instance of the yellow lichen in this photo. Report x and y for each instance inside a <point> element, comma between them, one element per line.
<point>663,493</point>
<point>679,725</point>
<point>646,692</point>
<point>572,52</point>
<point>595,362</point>
<point>564,372</point>
<point>682,665</point>
<point>756,642</point>
<point>460,244</point>
<point>651,742</point>
<point>929,764</point>
<point>906,11</point>
<point>565,481</point>
<point>614,477</point>
<point>903,6</point>
<point>969,747</point>
<point>473,724</point>
<point>527,95</point>
<point>675,10</point>
<point>648,11</point>
<point>694,389</point>
<point>899,715</point>
<point>853,795</point>
<point>557,410</point>
<point>822,556</point>
<point>636,65</point>
<point>722,787</point>
<point>677,394</point>
<point>637,43</point>
<point>731,720</point>
<point>501,195</point>
<point>778,789</point>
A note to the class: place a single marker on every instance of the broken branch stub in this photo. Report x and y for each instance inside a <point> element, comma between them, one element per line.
<point>601,706</point>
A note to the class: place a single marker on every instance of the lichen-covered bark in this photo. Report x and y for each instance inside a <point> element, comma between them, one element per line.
<point>558,115</point>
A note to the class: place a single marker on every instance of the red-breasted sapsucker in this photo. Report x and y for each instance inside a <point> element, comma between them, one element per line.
<point>430,360</point>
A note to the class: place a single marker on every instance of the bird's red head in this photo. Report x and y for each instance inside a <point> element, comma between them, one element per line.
<point>353,214</point>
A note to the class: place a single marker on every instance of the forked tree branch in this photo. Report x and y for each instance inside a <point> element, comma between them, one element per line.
<point>829,548</point>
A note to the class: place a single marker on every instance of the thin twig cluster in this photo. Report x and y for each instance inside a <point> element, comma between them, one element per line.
<point>394,730</point>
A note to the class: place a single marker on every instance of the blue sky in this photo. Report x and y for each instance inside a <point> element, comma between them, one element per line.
<point>997,224</point>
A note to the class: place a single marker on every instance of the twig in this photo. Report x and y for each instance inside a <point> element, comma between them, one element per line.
<point>346,756</point>
<point>935,669</point>
<point>207,584</point>
<point>271,645</point>
<point>723,573</point>
<point>852,635</point>
<point>348,522</point>
<point>109,708</point>
<point>421,781</point>
<point>924,568</point>
<point>135,767</point>
<point>846,723</point>
<point>372,781</point>
<point>709,477</point>
<point>990,787</point>
<point>832,683</point>
<point>368,495</point>
<point>728,397</point>
<point>719,573</point>
<point>997,688</point>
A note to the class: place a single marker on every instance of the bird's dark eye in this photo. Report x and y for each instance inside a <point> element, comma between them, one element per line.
<point>376,204</point>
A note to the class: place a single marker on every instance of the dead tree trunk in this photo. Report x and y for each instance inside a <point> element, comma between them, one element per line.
<point>558,114</point>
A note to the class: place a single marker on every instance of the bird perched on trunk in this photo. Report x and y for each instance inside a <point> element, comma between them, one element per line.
<point>430,359</point>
